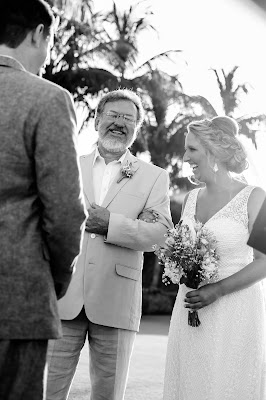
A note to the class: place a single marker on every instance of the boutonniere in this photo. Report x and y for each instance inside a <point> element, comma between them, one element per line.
<point>126,171</point>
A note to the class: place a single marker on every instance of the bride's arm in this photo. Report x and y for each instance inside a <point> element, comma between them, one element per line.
<point>249,275</point>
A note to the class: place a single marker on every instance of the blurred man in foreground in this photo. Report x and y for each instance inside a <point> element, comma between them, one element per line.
<point>41,211</point>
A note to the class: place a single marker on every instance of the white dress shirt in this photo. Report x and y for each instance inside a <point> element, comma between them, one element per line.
<point>103,175</point>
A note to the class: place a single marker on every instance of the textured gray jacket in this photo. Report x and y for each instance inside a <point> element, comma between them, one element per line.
<point>41,210</point>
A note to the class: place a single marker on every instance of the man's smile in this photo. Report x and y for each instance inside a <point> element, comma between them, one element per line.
<point>116,132</point>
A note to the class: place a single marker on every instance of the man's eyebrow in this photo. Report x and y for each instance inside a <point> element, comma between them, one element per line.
<point>116,112</point>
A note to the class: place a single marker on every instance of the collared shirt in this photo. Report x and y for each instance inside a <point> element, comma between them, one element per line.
<point>103,175</point>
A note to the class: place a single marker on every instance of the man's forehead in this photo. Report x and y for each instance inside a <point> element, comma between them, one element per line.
<point>119,105</point>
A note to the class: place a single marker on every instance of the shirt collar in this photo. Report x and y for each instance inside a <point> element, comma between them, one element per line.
<point>8,61</point>
<point>98,155</point>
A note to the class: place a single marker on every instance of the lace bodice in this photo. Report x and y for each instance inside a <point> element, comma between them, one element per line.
<point>230,226</point>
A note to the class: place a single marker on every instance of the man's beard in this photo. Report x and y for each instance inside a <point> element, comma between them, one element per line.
<point>114,146</point>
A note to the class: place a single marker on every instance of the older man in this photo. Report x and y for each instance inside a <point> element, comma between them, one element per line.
<point>103,301</point>
<point>40,208</point>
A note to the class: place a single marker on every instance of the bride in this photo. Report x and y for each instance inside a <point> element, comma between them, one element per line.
<point>225,357</point>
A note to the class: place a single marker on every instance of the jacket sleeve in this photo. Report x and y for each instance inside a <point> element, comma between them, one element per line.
<point>140,235</point>
<point>59,184</point>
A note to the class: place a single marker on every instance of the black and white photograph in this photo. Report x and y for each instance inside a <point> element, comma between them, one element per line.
<point>132,200</point>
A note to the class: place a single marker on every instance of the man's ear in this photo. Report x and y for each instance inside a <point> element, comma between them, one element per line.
<point>38,35</point>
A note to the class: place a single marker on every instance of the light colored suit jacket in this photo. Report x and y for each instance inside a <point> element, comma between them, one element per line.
<point>40,208</point>
<point>108,276</point>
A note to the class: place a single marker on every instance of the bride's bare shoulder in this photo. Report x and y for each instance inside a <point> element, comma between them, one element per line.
<point>257,194</point>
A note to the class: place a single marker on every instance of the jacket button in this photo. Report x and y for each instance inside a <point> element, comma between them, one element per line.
<point>93,236</point>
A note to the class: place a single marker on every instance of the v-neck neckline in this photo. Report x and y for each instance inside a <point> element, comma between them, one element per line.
<point>217,212</point>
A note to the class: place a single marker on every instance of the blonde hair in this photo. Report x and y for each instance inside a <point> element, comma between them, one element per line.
<point>219,136</point>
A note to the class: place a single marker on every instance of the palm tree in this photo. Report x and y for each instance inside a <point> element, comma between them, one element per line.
<point>116,45</point>
<point>71,65</point>
<point>77,10</point>
<point>231,97</point>
<point>122,31</point>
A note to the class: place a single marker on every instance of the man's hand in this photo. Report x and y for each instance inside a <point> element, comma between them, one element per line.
<point>98,220</point>
<point>148,216</point>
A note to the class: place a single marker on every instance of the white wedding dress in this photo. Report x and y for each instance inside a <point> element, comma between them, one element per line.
<point>224,358</point>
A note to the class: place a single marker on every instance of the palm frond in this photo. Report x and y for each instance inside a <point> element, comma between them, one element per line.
<point>151,63</point>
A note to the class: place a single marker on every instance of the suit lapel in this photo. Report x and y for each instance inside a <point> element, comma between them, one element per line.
<point>86,163</point>
<point>116,187</point>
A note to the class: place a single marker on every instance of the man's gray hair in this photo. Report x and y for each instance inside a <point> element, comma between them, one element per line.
<point>122,94</point>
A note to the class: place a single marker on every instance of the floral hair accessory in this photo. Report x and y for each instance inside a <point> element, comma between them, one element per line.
<point>126,171</point>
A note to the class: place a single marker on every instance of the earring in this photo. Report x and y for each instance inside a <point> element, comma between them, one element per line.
<point>215,168</point>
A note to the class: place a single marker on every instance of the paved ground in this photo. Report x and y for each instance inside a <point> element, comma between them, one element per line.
<point>147,364</point>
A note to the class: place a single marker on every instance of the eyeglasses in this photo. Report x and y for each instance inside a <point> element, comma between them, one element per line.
<point>114,117</point>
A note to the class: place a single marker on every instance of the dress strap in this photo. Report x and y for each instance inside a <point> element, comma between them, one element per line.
<point>190,206</point>
<point>238,207</point>
<point>247,192</point>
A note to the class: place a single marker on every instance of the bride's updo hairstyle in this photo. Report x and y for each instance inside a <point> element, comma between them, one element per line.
<point>219,136</point>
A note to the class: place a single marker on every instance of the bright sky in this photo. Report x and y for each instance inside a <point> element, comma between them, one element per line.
<point>212,34</point>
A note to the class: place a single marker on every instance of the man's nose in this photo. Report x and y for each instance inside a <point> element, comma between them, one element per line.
<point>119,121</point>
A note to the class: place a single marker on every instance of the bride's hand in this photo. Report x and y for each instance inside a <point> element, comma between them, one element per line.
<point>149,216</point>
<point>203,296</point>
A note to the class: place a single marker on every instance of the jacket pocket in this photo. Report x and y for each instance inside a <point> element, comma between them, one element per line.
<point>127,272</point>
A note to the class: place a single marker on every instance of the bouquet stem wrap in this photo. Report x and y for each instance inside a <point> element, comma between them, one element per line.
<point>193,318</point>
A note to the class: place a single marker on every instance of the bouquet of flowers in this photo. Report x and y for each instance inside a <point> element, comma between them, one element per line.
<point>190,257</point>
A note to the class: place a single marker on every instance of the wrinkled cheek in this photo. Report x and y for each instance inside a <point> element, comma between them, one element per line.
<point>131,137</point>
